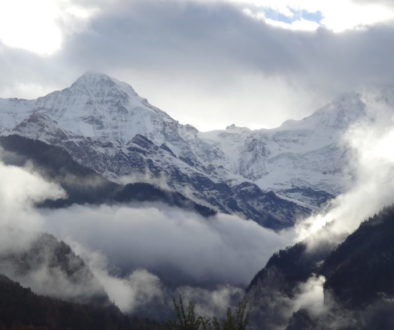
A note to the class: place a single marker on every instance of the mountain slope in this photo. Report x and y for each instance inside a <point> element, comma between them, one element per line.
<point>83,185</point>
<point>51,268</point>
<point>306,153</point>
<point>359,272</point>
<point>358,287</point>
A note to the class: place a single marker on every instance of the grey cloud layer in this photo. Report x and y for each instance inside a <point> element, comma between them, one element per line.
<point>179,246</point>
<point>191,58</point>
<point>212,42</point>
<point>118,243</point>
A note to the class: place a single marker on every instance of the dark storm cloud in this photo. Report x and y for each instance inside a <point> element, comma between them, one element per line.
<point>187,37</point>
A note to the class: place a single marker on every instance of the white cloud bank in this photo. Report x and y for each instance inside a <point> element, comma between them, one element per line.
<point>179,246</point>
<point>19,190</point>
<point>40,26</point>
<point>128,247</point>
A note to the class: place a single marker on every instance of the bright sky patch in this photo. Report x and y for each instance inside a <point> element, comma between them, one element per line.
<point>37,26</point>
<point>335,15</point>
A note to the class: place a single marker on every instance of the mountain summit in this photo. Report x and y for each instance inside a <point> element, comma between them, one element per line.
<point>101,107</point>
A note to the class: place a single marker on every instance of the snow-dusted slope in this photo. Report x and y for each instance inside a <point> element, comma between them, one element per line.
<point>305,153</point>
<point>13,111</point>
<point>97,106</point>
<point>104,124</point>
<point>102,109</point>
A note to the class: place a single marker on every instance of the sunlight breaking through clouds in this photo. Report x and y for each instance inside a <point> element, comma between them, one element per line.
<point>39,26</point>
<point>336,15</point>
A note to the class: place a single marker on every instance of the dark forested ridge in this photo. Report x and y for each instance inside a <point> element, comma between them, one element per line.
<point>47,255</point>
<point>20,308</point>
<point>361,270</point>
<point>359,282</point>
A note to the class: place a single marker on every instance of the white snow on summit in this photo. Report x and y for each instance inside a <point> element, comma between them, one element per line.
<point>98,106</point>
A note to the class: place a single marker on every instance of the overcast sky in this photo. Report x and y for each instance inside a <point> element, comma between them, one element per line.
<point>209,63</point>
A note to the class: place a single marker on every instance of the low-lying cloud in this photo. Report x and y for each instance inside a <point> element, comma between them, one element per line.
<point>139,255</point>
<point>128,293</point>
<point>180,246</point>
<point>19,190</point>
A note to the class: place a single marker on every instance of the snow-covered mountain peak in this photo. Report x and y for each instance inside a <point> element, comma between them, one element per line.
<point>92,77</point>
<point>336,115</point>
<point>98,84</point>
<point>99,106</point>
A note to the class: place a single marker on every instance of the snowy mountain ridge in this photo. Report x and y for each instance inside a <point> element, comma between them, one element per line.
<point>295,153</point>
<point>105,125</point>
